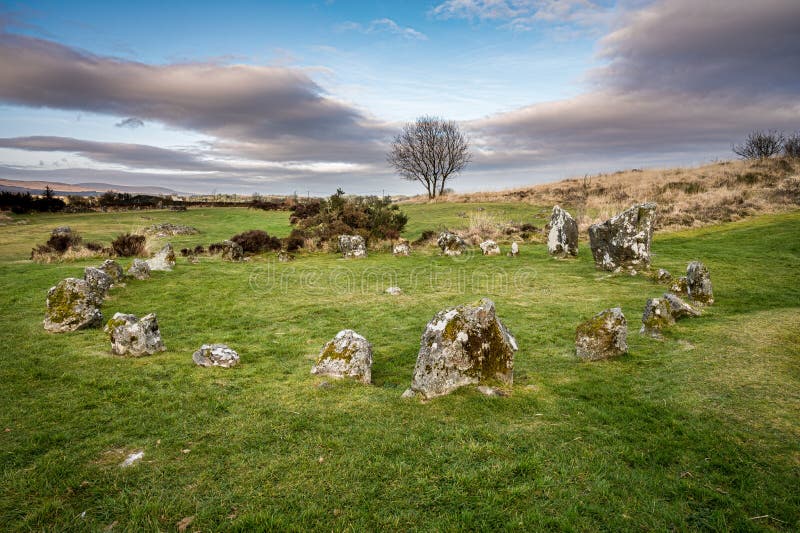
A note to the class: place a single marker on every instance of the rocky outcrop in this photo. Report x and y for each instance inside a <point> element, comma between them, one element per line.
<point>401,248</point>
<point>451,244</point>
<point>215,355</point>
<point>698,283</point>
<point>562,240</point>
<point>603,336</point>
<point>490,248</point>
<point>113,269</point>
<point>624,240</point>
<point>352,246</point>
<point>464,345</point>
<point>139,269</point>
<point>164,260</point>
<point>135,337</point>
<point>348,355</point>
<point>71,305</point>
<point>99,282</point>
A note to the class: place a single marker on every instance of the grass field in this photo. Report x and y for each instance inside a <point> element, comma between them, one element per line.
<point>700,430</point>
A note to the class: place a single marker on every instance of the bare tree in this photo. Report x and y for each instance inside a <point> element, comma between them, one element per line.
<point>760,145</point>
<point>791,146</point>
<point>430,151</point>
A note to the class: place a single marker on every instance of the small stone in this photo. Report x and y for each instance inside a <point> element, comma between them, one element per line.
<point>346,355</point>
<point>72,305</point>
<point>394,291</point>
<point>215,355</point>
<point>164,260</point>
<point>451,244</point>
<point>663,276</point>
<point>514,250</point>
<point>656,317</point>
<point>562,240</point>
<point>679,286</point>
<point>285,257</point>
<point>352,246</point>
<point>678,308</point>
<point>231,251</point>
<point>401,248</point>
<point>134,337</point>
<point>624,240</point>
<point>698,282</point>
<point>139,269</point>
<point>490,248</point>
<point>131,459</point>
<point>61,231</point>
<point>603,336</point>
<point>408,393</point>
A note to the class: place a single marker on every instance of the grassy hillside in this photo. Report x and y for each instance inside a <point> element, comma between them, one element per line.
<point>697,431</point>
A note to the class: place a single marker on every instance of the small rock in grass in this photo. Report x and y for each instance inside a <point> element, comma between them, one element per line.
<point>346,355</point>
<point>490,391</point>
<point>215,355</point>
<point>99,282</point>
<point>113,269</point>
<point>131,459</point>
<point>401,248</point>
<point>164,260</point>
<point>698,283</point>
<point>603,336</point>
<point>451,244</point>
<point>663,276</point>
<point>514,250</point>
<point>139,269</point>
<point>490,248</point>
<point>394,291</point>
<point>352,246</point>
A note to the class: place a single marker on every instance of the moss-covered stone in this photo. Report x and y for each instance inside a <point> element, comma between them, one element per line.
<point>346,355</point>
<point>603,336</point>
<point>71,305</point>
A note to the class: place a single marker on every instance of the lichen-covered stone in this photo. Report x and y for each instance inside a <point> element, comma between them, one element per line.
<point>99,282</point>
<point>698,283</point>
<point>401,248</point>
<point>139,269</point>
<point>514,250</point>
<point>656,317</point>
<point>490,248</point>
<point>113,269</point>
<point>164,260</point>
<point>352,246</point>
<point>464,345</point>
<point>71,305</point>
<point>231,251</point>
<point>394,291</point>
<point>663,276</point>
<point>679,286</point>
<point>623,241</point>
<point>215,355</point>
<point>562,240</point>
<point>679,308</point>
<point>132,336</point>
<point>61,231</point>
<point>603,336</point>
<point>348,355</point>
<point>451,244</point>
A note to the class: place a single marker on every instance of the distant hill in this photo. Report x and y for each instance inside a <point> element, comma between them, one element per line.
<point>80,189</point>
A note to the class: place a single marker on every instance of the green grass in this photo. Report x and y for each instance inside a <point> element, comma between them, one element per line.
<point>698,431</point>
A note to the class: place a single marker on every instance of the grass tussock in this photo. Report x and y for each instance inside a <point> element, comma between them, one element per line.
<point>687,197</point>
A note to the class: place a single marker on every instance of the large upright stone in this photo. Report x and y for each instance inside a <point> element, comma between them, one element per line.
<point>698,283</point>
<point>460,346</point>
<point>71,305</point>
<point>164,260</point>
<point>624,240</point>
<point>451,244</point>
<point>113,269</point>
<point>603,336</point>
<point>352,246</point>
<point>132,336</point>
<point>348,355</point>
<point>139,269</point>
<point>99,282</point>
<point>562,240</point>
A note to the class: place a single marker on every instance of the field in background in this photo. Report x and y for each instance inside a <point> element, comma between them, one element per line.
<point>698,431</point>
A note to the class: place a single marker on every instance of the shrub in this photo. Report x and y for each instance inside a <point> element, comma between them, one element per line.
<point>427,235</point>
<point>295,240</point>
<point>760,145</point>
<point>791,145</point>
<point>256,240</point>
<point>128,245</point>
<point>304,210</point>
<point>61,242</point>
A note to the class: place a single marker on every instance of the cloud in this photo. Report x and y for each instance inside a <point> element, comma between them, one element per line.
<point>385,25</point>
<point>521,15</point>
<point>131,122</point>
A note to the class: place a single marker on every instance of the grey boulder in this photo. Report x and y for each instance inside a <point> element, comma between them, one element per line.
<point>603,336</point>
<point>139,269</point>
<point>71,305</point>
<point>347,355</point>
<point>624,240</point>
<point>132,336</point>
<point>401,248</point>
<point>113,269</point>
<point>562,240</point>
<point>698,283</point>
<point>660,313</point>
<point>164,260</point>
<point>99,282</point>
<point>490,248</point>
<point>215,355</point>
<point>352,246</point>
<point>451,244</point>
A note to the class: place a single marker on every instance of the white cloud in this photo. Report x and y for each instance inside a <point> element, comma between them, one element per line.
<point>384,25</point>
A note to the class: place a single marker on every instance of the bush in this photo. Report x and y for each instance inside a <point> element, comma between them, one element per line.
<point>791,145</point>
<point>295,240</point>
<point>256,240</point>
<point>427,235</point>
<point>304,210</point>
<point>760,145</point>
<point>128,245</point>
<point>61,242</point>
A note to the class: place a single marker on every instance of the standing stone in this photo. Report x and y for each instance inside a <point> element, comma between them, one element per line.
<point>352,246</point>
<point>698,282</point>
<point>514,250</point>
<point>99,282</point>
<point>215,355</point>
<point>678,308</point>
<point>490,248</point>
<point>602,336</point>
<point>656,317</point>
<point>624,241</point>
<point>461,346</point>
<point>164,260</point>
<point>346,355</point>
<point>71,305</point>
<point>139,269</point>
<point>231,251</point>
<point>402,248</point>
<point>563,237</point>
<point>131,336</point>
<point>451,244</point>
<point>113,269</point>
<point>679,286</point>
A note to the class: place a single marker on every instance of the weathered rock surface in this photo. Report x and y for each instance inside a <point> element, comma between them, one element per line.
<point>698,283</point>
<point>451,244</point>
<point>464,345</point>
<point>402,248</point>
<point>99,282</point>
<point>61,231</point>
<point>660,313</point>
<point>285,257</point>
<point>215,355</point>
<point>346,355</point>
<point>113,269</point>
<point>663,276</point>
<point>394,291</point>
<point>352,246</point>
<point>562,240</point>
<point>168,229</point>
<point>490,248</point>
<point>514,250</point>
<point>71,305</point>
<point>139,269</point>
<point>679,286</point>
<point>603,336</point>
<point>623,241</point>
<point>231,251</point>
<point>679,308</point>
<point>135,337</point>
<point>164,260</point>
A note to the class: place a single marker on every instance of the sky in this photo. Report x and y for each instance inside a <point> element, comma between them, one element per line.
<point>305,97</point>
